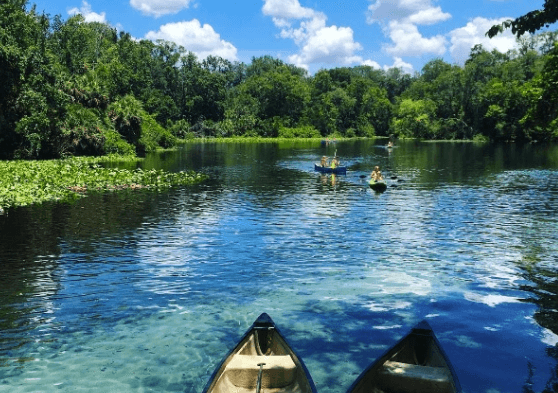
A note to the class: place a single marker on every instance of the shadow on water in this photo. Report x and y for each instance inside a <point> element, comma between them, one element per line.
<point>543,284</point>
<point>28,251</point>
<point>52,252</point>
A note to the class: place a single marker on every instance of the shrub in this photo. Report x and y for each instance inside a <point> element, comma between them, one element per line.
<point>479,138</point>
<point>350,133</point>
<point>208,128</point>
<point>366,129</point>
<point>83,132</point>
<point>154,135</point>
<point>179,128</point>
<point>126,115</point>
<point>115,144</point>
<point>299,132</point>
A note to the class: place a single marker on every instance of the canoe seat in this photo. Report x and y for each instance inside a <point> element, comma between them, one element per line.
<point>415,379</point>
<point>278,371</point>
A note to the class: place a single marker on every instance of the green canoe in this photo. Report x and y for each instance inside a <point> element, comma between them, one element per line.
<point>378,186</point>
<point>415,364</point>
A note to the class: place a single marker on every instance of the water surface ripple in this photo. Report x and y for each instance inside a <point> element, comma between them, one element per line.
<point>140,291</point>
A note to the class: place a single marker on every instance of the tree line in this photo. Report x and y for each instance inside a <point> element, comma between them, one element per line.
<point>83,88</point>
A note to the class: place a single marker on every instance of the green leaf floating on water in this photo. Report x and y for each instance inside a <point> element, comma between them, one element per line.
<point>28,182</point>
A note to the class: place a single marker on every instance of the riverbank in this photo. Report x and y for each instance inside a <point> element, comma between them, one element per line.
<point>32,182</point>
<point>258,139</point>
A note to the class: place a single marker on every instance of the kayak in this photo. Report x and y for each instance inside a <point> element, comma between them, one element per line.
<point>378,185</point>
<point>415,364</point>
<point>340,170</point>
<point>262,361</point>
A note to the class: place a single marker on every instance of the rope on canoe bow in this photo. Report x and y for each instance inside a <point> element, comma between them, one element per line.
<point>259,384</point>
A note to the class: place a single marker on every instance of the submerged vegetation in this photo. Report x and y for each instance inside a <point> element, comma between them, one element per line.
<point>28,182</point>
<point>77,88</point>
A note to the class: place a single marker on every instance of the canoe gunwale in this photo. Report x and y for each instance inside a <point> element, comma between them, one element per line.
<point>422,329</point>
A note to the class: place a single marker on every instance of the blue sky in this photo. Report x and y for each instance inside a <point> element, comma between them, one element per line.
<point>311,34</point>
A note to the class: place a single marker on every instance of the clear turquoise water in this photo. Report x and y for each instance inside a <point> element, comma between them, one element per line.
<point>146,292</point>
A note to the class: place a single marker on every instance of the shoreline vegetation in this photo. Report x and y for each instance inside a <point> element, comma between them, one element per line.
<point>258,139</point>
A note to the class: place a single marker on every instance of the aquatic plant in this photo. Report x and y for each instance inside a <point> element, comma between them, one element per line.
<point>28,182</point>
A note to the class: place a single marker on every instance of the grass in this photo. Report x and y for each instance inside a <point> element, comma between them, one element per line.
<point>32,182</point>
<point>261,139</point>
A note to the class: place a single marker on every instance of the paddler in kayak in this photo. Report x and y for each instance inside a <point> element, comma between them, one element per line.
<point>376,174</point>
<point>335,162</point>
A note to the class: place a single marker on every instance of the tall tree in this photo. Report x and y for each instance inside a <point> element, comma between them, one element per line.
<point>31,104</point>
<point>280,93</point>
<point>416,118</point>
<point>541,119</point>
<point>376,110</point>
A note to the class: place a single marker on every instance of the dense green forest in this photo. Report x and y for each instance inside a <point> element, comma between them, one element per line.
<point>77,88</point>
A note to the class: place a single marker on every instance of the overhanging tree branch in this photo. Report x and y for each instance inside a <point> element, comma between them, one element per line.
<point>530,22</point>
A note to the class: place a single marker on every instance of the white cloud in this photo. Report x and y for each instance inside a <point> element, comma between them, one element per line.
<point>412,11</point>
<point>409,42</point>
<point>201,40</point>
<point>307,29</point>
<point>429,16</point>
<point>372,63</point>
<point>318,43</point>
<point>328,45</point>
<point>159,8</point>
<point>465,38</point>
<point>383,10</point>
<point>280,22</point>
<point>399,63</point>
<point>286,9</point>
<point>88,14</point>
<point>400,20</point>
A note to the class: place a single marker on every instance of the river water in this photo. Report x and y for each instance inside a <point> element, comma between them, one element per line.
<point>140,291</point>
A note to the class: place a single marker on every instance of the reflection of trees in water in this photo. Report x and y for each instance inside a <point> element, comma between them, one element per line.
<point>545,287</point>
<point>30,271</point>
